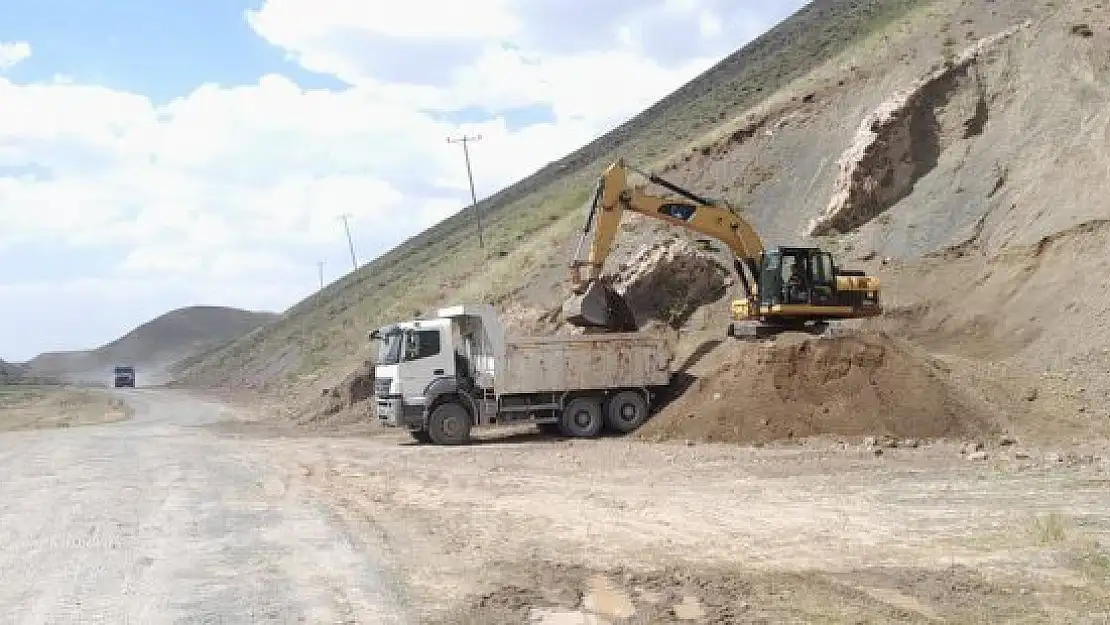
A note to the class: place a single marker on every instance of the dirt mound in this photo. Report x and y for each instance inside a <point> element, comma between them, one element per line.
<point>345,401</point>
<point>854,385</point>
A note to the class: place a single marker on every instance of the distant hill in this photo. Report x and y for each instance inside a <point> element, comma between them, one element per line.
<point>152,347</point>
<point>10,373</point>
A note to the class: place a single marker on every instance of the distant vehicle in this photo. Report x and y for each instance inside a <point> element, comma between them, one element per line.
<point>124,376</point>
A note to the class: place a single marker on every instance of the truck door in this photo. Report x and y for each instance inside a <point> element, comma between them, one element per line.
<point>424,359</point>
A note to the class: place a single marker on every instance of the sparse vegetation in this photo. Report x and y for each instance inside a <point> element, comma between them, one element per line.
<point>37,406</point>
<point>1050,529</point>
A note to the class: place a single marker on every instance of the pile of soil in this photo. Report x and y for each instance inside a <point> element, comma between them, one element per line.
<point>345,401</point>
<point>795,387</point>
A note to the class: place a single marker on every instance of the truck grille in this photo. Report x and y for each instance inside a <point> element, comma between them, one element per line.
<point>381,386</point>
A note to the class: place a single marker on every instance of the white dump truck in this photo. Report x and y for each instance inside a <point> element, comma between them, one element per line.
<point>439,377</point>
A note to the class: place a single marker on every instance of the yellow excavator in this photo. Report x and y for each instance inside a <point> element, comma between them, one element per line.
<point>786,288</point>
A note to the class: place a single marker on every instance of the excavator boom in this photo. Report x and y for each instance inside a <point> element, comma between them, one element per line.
<point>823,292</point>
<point>594,303</point>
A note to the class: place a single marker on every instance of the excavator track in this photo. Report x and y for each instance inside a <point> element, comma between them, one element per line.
<point>757,330</point>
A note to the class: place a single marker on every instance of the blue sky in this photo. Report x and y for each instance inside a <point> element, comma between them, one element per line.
<point>162,154</point>
<point>161,49</point>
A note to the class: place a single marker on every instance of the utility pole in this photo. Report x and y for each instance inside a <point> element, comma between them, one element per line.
<point>465,141</point>
<point>320,268</point>
<point>350,242</point>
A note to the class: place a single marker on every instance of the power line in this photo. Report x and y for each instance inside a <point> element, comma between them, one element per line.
<point>350,242</point>
<point>465,140</point>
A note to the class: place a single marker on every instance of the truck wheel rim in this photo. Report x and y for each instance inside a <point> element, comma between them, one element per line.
<point>452,426</point>
<point>583,418</point>
<point>628,412</point>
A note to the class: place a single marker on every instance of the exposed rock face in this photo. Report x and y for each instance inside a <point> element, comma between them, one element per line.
<point>663,283</point>
<point>902,140</point>
<point>667,281</point>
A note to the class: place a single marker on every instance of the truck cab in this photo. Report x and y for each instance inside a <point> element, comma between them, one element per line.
<point>412,356</point>
<point>123,376</point>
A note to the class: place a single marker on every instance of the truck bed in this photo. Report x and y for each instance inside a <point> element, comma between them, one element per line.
<point>594,361</point>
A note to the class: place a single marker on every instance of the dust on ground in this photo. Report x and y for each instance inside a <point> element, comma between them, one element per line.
<point>524,528</point>
<point>26,407</point>
<point>859,384</point>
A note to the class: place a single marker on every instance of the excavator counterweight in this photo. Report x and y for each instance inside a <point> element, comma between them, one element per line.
<point>786,288</point>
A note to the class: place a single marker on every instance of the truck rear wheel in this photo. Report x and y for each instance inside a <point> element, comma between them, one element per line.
<point>627,411</point>
<point>582,418</point>
<point>449,424</point>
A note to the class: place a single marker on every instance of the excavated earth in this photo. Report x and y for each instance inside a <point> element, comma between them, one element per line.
<point>862,384</point>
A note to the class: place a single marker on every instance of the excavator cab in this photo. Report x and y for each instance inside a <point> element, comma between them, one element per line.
<point>801,289</point>
<point>796,277</point>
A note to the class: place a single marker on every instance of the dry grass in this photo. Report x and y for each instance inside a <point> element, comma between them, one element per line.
<point>27,407</point>
<point>1050,529</point>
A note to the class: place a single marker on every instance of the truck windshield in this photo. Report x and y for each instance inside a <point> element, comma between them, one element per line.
<point>390,349</point>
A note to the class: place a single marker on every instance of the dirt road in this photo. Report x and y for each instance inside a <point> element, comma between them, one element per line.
<point>156,520</point>
<point>175,516</point>
<point>533,530</point>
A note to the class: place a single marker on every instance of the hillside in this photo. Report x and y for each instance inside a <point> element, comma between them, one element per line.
<point>324,335</point>
<point>152,347</point>
<point>957,148</point>
<point>10,373</point>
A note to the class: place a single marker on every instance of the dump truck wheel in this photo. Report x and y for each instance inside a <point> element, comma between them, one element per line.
<point>449,424</point>
<point>627,411</point>
<point>420,436</point>
<point>582,418</point>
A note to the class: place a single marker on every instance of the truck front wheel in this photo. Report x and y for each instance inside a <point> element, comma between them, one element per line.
<point>449,424</point>
<point>627,411</point>
<point>582,418</point>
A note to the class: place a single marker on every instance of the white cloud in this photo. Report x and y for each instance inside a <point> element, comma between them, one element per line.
<point>13,53</point>
<point>230,195</point>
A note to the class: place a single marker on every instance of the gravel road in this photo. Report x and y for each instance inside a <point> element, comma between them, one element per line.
<point>158,520</point>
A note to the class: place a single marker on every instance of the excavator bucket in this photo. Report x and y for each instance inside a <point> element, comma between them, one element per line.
<point>599,306</point>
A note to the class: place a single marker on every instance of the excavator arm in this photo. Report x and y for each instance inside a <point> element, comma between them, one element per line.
<point>818,292</point>
<point>594,303</point>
